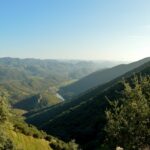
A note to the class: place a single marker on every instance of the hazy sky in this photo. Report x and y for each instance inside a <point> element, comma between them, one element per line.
<point>75,29</point>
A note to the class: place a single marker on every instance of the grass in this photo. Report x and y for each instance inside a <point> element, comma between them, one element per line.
<point>24,142</point>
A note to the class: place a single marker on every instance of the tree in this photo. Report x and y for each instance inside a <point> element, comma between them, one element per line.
<point>5,142</point>
<point>4,110</point>
<point>128,119</point>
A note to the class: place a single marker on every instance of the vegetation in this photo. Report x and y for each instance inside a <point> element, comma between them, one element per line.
<point>128,123</point>
<point>15,134</point>
<point>83,119</point>
<point>23,142</point>
<point>37,101</point>
<point>90,119</point>
<point>26,79</point>
<point>5,141</point>
<point>98,78</point>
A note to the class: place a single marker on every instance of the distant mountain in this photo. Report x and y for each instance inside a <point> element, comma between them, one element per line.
<point>84,118</point>
<point>25,79</point>
<point>57,70</point>
<point>98,78</point>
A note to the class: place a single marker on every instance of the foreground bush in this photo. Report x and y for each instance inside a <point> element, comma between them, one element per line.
<point>128,119</point>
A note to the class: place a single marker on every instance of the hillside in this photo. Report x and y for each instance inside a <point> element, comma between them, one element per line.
<point>22,91</point>
<point>56,70</point>
<point>36,117</point>
<point>98,78</point>
<point>22,141</point>
<point>84,118</point>
<point>28,142</point>
<point>29,80</point>
<point>15,134</point>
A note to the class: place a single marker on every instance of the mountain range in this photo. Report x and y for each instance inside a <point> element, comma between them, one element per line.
<point>98,78</point>
<point>33,83</point>
<point>30,88</point>
<point>83,118</point>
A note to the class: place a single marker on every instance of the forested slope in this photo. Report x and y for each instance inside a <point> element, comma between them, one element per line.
<point>98,78</point>
<point>84,119</point>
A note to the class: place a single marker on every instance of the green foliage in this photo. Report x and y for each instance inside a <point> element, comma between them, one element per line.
<point>28,130</point>
<point>37,101</point>
<point>23,79</point>
<point>21,127</point>
<point>129,117</point>
<point>14,130</point>
<point>4,112</point>
<point>24,142</point>
<point>83,119</point>
<point>59,145</point>
<point>5,142</point>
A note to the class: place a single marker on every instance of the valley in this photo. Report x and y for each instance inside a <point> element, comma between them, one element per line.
<point>28,80</point>
<point>67,108</point>
<point>75,75</point>
<point>60,96</point>
<point>83,118</point>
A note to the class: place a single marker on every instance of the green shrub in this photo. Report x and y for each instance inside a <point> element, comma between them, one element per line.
<point>128,120</point>
<point>29,130</point>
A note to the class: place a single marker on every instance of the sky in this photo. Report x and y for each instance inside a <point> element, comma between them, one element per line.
<point>75,29</point>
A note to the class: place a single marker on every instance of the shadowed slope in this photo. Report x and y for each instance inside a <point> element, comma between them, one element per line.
<point>98,78</point>
<point>84,118</point>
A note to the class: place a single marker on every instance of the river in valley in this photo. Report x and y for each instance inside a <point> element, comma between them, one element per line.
<point>60,97</point>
